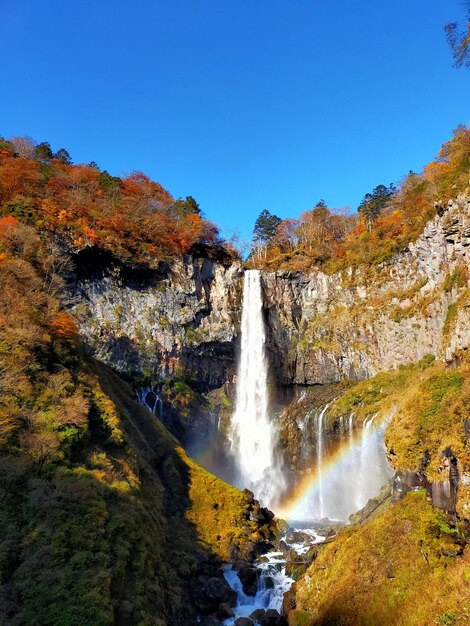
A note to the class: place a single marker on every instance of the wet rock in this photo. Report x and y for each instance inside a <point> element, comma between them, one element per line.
<point>250,550</point>
<point>373,504</point>
<point>283,547</point>
<point>243,621</point>
<point>250,498</point>
<point>256,615</point>
<point>443,496</point>
<point>209,593</point>
<point>266,532</point>
<point>272,618</point>
<point>248,576</point>
<point>326,532</point>
<point>289,602</point>
<point>405,481</point>
<point>297,536</point>
<point>261,515</point>
<point>268,582</point>
<point>224,611</point>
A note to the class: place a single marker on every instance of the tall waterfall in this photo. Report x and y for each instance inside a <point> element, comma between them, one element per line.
<point>252,435</point>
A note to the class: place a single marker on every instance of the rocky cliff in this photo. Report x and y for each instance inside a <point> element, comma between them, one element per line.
<point>350,325</point>
<point>173,322</point>
<point>183,321</point>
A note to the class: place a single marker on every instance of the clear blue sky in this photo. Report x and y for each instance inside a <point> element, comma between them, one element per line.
<point>244,104</point>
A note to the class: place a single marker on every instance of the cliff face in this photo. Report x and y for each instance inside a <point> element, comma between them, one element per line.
<point>353,324</point>
<point>167,323</point>
<point>184,321</point>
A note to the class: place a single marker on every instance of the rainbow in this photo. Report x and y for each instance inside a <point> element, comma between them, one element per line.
<point>338,472</point>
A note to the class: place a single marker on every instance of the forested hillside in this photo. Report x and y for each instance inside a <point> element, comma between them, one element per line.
<point>103,518</point>
<point>387,220</point>
<point>132,217</point>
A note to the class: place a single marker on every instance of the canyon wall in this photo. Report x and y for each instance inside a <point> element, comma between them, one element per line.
<point>177,321</point>
<point>355,323</point>
<point>183,321</point>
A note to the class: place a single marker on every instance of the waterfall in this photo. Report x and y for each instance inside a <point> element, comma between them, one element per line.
<point>150,397</point>
<point>253,436</point>
<point>347,472</point>
<point>320,454</point>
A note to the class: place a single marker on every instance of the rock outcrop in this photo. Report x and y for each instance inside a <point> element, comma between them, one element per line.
<point>170,322</point>
<point>182,322</point>
<point>353,324</point>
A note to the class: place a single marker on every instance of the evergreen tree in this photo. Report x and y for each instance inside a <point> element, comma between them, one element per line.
<point>63,156</point>
<point>264,231</point>
<point>373,203</point>
<point>188,205</point>
<point>43,152</point>
<point>265,227</point>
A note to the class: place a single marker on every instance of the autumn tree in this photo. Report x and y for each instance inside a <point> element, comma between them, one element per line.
<point>458,37</point>
<point>23,146</point>
<point>287,234</point>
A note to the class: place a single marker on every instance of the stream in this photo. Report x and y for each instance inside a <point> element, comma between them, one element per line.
<point>273,581</point>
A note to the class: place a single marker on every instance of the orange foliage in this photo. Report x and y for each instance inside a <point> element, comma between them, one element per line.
<point>389,225</point>
<point>17,176</point>
<point>134,218</point>
<point>63,325</point>
<point>7,225</point>
<point>321,237</point>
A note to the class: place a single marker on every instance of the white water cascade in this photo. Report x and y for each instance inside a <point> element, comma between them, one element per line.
<point>347,477</point>
<point>253,436</point>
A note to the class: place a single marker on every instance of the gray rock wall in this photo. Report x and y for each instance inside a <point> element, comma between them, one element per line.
<point>179,322</point>
<point>321,328</point>
<point>356,323</point>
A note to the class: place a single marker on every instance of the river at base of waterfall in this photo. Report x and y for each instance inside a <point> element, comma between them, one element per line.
<point>272,579</point>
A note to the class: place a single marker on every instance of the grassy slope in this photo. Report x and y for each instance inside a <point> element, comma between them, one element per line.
<point>397,570</point>
<point>102,517</point>
<point>406,566</point>
<point>113,538</point>
<point>429,402</point>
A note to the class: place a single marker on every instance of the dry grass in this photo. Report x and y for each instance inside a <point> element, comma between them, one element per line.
<point>404,568</point>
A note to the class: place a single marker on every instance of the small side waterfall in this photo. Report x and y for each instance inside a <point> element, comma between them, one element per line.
<point>253,436</point>
<point>150,397</point>
<point>347,471</point>
<point>320,455</point>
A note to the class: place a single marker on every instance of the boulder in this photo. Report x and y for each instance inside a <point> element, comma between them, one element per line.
<point>210,592</point>
<point>257,615</point>
<point>283,547</point>
<point>224,611</point>
<point>268,582</point>
<point>249,579</point>
<point>272,618</point>
<point>297,536</point>
<point>243,621</point>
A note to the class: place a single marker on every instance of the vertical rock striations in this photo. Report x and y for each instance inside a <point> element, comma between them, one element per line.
<point>353,324</point>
